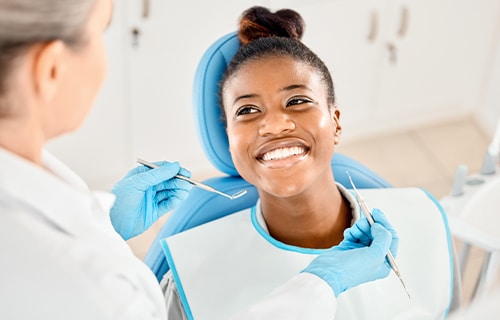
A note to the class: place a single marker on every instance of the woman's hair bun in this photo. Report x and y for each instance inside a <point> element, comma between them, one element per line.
<point>258,22</point>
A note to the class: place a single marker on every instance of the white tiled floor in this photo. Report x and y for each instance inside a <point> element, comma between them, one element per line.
<point>425,157</point>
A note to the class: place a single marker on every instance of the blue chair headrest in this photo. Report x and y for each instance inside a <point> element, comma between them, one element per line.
<point>211,129</point>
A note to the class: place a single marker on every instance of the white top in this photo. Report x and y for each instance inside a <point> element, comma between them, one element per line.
<point>61,258</point>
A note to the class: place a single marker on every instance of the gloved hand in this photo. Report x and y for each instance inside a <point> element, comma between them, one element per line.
<point>360,257</point>
<point>145,194</point>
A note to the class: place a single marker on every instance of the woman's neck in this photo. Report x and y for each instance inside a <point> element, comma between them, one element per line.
<point>313,220</point>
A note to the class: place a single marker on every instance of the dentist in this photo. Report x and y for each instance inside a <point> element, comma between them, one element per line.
<point>63,253</point>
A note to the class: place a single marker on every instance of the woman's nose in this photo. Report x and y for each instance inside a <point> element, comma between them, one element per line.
<point>276,124</point>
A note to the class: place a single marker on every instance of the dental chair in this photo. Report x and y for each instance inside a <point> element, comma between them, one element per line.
<point>201,206</point>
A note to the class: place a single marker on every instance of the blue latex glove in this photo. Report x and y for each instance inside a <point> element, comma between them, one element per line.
<point>145,194</point>
<point>360,257</point>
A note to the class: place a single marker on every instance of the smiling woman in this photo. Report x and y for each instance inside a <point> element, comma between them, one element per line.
<point>282,133</point>
<point>282,125</point>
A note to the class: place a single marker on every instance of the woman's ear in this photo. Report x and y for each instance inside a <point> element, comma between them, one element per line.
<point>336,123</point>
<point>48,69</point>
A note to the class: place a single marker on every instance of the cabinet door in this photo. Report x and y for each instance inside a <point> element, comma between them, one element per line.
<point>346,34</point>
<point>442,52</point>
<point>164,55</point>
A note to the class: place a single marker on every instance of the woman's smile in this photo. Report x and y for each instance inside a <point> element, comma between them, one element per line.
<point>282,154</point>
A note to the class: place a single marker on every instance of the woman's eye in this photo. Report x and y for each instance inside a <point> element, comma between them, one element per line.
<point>299,100</point>
<point>246,110</point>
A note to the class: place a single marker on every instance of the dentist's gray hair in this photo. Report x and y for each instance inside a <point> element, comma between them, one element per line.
<point>24,23</point>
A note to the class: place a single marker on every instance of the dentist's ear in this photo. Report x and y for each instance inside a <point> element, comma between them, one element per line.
<point>48,69</point>
<point>336,122</point>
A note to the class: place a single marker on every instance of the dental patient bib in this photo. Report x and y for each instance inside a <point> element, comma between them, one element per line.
<point>227,265</point>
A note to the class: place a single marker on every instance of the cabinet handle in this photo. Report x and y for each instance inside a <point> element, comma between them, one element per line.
<point>403,25</point>
<point>146,6</point>
<point>135,36</point>
<point>372,33</point>
<point>392,51</point>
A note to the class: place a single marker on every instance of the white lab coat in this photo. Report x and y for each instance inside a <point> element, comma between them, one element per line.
<point>62,259</point>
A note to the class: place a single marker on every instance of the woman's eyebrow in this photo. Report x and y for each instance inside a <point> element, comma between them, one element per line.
<point>245,96</point>
<point>295,86</point>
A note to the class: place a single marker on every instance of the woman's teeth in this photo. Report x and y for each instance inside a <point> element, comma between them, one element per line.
<point>282,153</point>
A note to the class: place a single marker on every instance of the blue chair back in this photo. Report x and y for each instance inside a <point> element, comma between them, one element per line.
<point>201,206</point>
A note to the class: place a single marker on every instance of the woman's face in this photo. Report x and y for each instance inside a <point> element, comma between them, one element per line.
<point>85,69</point>
<point>281,130</point>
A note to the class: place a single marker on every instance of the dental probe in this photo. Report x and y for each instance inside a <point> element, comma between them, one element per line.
<point>195,182</point>
<point>369,217</point>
